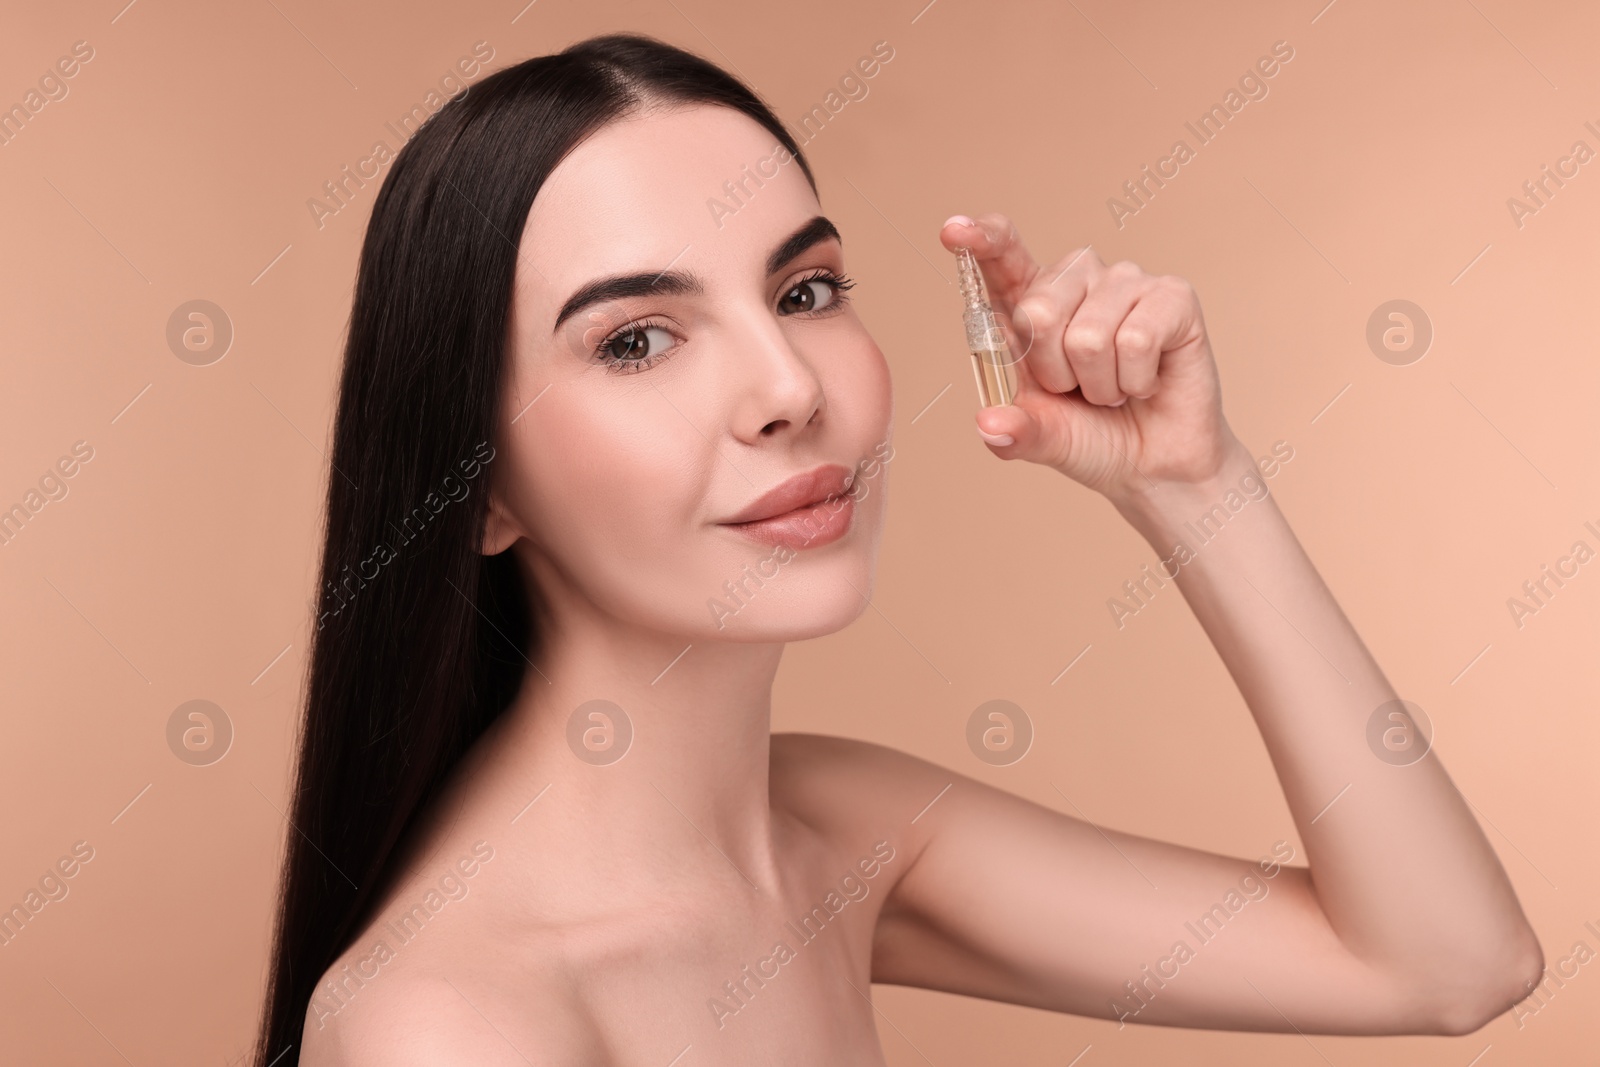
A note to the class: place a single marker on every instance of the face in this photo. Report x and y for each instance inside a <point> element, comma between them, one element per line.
<point>684,356</point>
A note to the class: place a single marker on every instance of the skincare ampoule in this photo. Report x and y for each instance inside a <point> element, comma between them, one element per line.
<point>986,338</point>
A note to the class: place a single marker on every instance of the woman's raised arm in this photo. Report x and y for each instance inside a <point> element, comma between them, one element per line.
<point>1404,922</point>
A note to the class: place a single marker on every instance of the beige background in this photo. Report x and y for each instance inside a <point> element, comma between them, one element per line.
<point>180,563</point>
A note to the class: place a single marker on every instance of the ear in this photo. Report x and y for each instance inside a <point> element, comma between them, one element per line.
<point>499,529</point>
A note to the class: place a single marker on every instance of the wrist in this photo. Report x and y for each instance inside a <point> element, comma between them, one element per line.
<point>1158,507</point>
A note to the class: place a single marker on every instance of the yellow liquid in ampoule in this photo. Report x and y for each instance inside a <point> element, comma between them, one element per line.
<point>986,338</point>
<point>997,378</point>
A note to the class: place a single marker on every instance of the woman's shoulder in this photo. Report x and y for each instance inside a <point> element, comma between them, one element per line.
<point>848,761</point>
<point>849,789</point>
<point>401,996</point>
<point>423,982</point>
<point>440,1020</point>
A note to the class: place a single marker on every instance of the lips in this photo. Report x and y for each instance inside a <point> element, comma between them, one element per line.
<point>802,491</point>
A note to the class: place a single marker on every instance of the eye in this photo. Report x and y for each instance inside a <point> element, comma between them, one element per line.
<point>634,347</point>
<point>814,293</point>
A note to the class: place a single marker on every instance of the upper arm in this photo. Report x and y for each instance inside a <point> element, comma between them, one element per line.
<point>1008,900</point>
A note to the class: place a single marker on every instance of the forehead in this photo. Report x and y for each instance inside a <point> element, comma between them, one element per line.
<point>639,194</point>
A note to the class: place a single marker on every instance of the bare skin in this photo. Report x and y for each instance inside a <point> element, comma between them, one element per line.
<point>619,902</point>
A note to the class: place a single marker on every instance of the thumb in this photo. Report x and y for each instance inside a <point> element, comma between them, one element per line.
<point>1033,427</point>
<point>1023,431</point>
<point>1037,426</point>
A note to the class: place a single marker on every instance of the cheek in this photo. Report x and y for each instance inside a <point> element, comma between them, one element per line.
<point>855,377</point>
<point>870,394</point>
<point>613,493</point>
<point>881,389</point>
<point>609,476</point>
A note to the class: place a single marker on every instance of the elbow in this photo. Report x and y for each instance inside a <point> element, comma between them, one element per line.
<point>1495,989</point>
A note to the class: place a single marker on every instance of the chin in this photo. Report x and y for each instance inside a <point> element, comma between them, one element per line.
<point>810,596</point>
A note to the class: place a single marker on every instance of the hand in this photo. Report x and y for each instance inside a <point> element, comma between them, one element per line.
<point>1117,387</point>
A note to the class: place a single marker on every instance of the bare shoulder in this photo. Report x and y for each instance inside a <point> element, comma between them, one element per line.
<point>428,981</point>
<point>847,789</point>
<point>435,1020</point>
<point>845,762</point>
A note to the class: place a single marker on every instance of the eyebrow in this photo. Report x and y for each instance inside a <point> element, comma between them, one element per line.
<point>677,282</point>
<point>814,232</point>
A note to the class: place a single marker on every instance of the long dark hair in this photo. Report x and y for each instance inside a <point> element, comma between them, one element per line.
<point>421,641</point>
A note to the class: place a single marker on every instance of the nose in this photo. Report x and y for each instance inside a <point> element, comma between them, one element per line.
<point>777,389</point>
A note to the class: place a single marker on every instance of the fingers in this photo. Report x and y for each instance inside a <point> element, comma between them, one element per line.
<point>1090,342</point>
<point>1040,318</point>
<point>1099,329</point>
<point>1140,340</point>
<point>1078,324</point>
<point>1008,268</point>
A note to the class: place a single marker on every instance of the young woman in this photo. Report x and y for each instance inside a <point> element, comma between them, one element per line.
<point>601,451</point>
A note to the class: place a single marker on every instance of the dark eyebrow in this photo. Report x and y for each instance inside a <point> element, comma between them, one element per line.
<point>814,232</point>
<point>672,282</point>
<point>677,283</point>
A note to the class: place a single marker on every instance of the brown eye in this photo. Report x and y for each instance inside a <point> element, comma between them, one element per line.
<point>634,344</point>
<point>813,294</point>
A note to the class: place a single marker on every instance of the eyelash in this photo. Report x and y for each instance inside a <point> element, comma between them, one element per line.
<point>840,283</point>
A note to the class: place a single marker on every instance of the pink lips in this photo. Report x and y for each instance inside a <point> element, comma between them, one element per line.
<point>808,510</point>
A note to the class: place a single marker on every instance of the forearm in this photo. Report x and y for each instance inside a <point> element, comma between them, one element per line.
<point>1401,869</point>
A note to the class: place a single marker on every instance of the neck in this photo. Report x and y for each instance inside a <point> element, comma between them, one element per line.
<point>692,780</point>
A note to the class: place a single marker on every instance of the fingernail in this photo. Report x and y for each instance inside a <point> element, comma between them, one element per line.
<point>997,438</point>
<point>1119,403</point>
<point>961,219</point>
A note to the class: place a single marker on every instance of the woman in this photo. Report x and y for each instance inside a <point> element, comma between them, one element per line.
<point>601,450</point>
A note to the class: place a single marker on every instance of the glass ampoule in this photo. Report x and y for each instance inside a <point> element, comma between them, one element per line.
<point>992,364</point>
